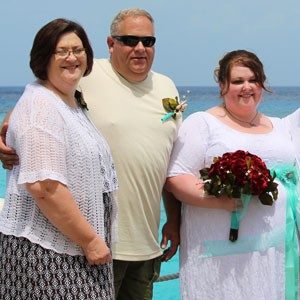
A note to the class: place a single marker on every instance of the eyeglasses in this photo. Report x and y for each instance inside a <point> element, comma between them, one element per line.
<point>132,40</point>
<point>65,53</point>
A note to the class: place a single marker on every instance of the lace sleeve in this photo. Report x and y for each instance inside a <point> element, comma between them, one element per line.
<point>36,132</point>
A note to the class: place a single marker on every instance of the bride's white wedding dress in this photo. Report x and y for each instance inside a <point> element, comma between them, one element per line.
<point>212,267</point>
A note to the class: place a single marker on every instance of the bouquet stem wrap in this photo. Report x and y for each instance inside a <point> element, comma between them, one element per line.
<point>238,215</point>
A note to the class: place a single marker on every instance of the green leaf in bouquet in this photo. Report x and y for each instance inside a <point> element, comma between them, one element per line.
<point>215,188</point>
<point>207,187</point>
<point>266,199</point>
<point>274,194</point>
<point>272,186</point>
<point>246,188</point>
<point>204,173</point>
<point>228,190</point>
<point>236,192</point>
<point>231,178</point>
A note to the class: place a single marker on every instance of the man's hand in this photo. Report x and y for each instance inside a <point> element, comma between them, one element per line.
<point>8,156</point>
<point>170,232</point>
<point>171,229</point>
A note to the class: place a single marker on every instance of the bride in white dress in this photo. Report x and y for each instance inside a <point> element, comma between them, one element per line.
<point>264,262</point>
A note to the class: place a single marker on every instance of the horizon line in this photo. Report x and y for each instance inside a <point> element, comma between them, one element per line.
<point>179,85</point>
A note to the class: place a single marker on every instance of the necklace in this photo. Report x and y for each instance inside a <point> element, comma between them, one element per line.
<point>242,121</point>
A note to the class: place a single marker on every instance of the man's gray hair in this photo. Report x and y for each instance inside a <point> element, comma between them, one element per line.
<point>125,13</point>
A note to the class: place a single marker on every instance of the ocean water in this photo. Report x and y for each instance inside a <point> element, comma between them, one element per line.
<point>282,101</point>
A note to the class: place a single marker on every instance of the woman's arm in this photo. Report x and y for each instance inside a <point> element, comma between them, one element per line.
<point>57,204</point>
<point>187,189</point>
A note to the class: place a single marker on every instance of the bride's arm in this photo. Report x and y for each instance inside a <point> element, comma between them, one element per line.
<point>187,189</point>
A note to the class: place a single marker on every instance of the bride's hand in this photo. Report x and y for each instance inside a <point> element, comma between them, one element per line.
<point>227,203</point>
<point>199,185</point>
<point>232,204</point>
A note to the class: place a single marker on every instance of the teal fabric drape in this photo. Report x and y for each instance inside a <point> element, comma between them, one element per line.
<point>288,176</point>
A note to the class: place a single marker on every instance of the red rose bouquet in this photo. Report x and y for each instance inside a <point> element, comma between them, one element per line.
<point>236,174</point>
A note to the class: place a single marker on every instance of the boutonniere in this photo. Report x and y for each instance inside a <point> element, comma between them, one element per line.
<point>172,106</point>
<point>80,100</point>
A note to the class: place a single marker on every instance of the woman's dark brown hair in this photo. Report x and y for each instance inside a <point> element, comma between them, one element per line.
<point>239,58</point>
<point>45,42</point>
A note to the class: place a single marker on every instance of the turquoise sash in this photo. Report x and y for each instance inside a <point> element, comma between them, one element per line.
<point>288,177</point>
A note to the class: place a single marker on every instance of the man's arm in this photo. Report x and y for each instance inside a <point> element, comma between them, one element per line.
<point>8,156</point>
<point>171,229</point>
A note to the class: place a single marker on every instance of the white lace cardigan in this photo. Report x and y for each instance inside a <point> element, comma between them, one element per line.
<point>55,142</point>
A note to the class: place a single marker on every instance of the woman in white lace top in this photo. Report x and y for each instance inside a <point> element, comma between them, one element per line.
<point>58,221</point>
<point>263,263</point>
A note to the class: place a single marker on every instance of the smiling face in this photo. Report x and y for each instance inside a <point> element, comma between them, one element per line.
<point>133,63</point>
<point>244,93</point>
<point>65,72</point>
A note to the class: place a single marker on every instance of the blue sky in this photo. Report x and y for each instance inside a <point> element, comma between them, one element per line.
<point>192,35</point>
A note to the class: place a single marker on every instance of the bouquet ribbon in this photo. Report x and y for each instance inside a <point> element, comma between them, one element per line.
<point>236,216</point>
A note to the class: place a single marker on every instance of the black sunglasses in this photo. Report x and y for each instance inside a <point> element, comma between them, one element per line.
<point>132,40</point>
